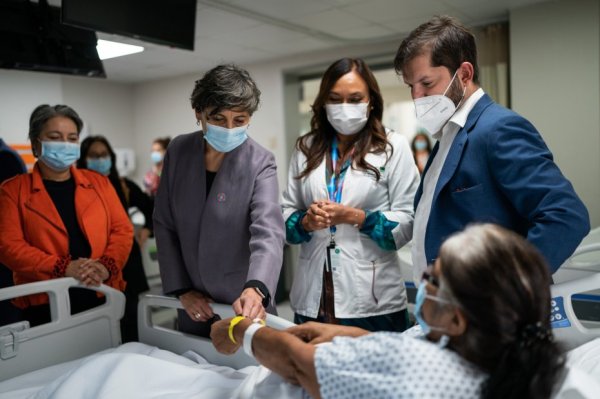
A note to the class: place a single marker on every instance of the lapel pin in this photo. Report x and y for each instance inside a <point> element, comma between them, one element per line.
<point>221,197</point>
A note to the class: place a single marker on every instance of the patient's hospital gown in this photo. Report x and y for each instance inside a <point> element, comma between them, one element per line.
<point>388,365</point>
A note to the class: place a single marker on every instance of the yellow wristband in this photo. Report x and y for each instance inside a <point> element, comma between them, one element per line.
<point>234,322</point>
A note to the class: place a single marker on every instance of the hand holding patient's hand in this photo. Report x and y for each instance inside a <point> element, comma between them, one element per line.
<point>219,333</point>
<point>316,333</point>
<point>249,305</point>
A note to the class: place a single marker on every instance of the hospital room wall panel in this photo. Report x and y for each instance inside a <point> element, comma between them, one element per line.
<point>106,107</point>
<point>555,82</point>
<point>20,93</point>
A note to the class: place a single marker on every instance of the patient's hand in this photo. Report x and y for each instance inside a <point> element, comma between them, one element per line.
<point>316,333</point>
<point>219,334</point>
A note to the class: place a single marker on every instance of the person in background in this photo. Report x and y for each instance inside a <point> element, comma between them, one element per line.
<point>489,164</point>
<point>217,219</point>
<point>484,332</point>
<point>152,177</point>
<point>98,155</point>
<point>60,221</point>
<point>349,203</point>
<point>11,165</point>
<point>421,148</point>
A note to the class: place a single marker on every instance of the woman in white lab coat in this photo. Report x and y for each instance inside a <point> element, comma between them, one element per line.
<point>349,204</point>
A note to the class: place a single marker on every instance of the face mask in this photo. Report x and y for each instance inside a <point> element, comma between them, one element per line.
<point>100,165</point>
<point>434,111</point>
<point>59,155</point>
<point>419,301</point>
<point>420,145</point>
<point>223,139</point>
<point>347,119</point>
<point>156,157</point>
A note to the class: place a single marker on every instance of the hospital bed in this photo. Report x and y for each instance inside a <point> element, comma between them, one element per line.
<point>31,358</point>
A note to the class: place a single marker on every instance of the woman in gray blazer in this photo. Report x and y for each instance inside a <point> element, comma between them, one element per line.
<point>217,219</point>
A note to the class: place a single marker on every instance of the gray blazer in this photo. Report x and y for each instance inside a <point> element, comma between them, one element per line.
<point>216,243</point>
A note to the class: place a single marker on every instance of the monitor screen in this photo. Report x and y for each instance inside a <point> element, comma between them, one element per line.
<point>32,38</point>
<point>169,22</point>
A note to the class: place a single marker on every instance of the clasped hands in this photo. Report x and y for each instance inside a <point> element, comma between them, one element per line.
<point>88,271</point>
<point>322,214</point>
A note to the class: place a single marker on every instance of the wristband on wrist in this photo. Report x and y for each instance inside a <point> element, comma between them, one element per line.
<point>234,322</point>
<point>249,335</point>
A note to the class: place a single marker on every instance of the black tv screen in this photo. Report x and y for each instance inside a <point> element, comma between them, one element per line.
<point>32,38</point>
<point>170,22</point>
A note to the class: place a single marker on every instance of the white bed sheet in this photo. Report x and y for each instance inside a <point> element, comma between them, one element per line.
<point>136,370</point>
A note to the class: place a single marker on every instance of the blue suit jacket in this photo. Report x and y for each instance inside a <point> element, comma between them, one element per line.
<point>499,170</point>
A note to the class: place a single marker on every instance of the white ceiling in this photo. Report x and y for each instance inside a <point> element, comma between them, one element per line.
<point>250,31</point>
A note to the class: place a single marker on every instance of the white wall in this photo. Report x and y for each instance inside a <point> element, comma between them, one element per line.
<point>555,83</point>
<point>20,93</point>
<point>105,107</point>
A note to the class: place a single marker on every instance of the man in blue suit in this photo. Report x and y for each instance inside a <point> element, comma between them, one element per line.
<point>489,163</point>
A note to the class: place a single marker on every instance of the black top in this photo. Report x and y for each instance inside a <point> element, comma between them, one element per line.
<point>63,196</point>
<point>210,178</point>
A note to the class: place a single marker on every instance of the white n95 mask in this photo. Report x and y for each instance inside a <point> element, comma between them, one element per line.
<point>434,111</point>
<point>347,119</point>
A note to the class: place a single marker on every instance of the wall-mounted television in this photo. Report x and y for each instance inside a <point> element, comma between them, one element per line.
<point>168,22</point>
<point>32,38</point>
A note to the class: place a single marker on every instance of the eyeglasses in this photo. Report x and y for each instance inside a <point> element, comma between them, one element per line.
<point>430,278</point>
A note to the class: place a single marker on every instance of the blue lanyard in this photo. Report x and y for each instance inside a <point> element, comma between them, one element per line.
<point>336,181</point>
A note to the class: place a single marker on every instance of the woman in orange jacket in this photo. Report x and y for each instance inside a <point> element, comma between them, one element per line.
<point>59,221</point>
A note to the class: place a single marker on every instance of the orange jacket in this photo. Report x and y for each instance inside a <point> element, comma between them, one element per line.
<point>33,239</point>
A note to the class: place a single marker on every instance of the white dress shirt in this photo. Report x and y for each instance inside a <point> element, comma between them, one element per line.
<point>446,137</point>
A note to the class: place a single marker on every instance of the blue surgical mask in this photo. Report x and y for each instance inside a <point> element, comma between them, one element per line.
<point>59,155</point>
<point>100,165</point>
<point>156,157</point>
<point>420,145</point>
<point>223,139</point>
<point>419,301</point>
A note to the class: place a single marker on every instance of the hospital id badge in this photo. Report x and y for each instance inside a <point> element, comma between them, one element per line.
<point>333,258</point>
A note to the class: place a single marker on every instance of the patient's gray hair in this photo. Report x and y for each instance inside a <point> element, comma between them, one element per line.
<point>226,87</point>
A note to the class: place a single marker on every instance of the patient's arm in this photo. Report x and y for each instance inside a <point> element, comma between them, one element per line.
<point>288,356</point>
<point>316,333</point>
<point>284,353</point>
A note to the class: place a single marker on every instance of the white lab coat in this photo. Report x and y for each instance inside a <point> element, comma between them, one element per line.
<point>366,271</point>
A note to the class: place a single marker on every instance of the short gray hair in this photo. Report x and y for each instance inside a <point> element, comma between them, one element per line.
<point>43,113</point>
<point>226,87</point>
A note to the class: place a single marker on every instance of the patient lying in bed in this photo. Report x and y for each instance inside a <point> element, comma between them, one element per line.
<point>136,370</point>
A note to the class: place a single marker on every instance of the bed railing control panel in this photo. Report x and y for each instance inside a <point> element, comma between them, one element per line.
<point>10,335</point>
<point>558,316</point>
